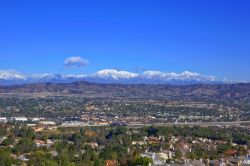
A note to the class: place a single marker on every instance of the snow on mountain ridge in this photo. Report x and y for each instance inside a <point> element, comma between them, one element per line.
<point>11,75</point>
<point>108,76</point>
<point>151,76</point>
<point>158,75</point>
<point>54,76</point>
<point>115,74</point>
<point>186,75</point>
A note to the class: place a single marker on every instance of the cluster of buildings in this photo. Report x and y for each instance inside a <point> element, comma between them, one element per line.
<point>159,160</point>
<point>168,157</point>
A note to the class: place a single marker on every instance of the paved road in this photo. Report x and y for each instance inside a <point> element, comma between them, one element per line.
<point>204,123</point>
<point>234,123</point>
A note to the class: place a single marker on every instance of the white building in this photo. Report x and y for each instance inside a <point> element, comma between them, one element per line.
<point>3,119</point>
<point>47,122</point>
<point>20,119</point>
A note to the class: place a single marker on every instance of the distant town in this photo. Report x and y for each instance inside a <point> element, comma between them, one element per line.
<point>125,125</point>
<point>93,140</point>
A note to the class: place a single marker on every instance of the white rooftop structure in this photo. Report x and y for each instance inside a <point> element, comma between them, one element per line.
<point>22,119</point>
<point>3,119</point>
<point>47,122</point>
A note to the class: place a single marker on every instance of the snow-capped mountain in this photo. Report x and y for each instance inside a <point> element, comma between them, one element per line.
<point>61,78</point>
<point>157,75</point>
<point>108,76</point>
<point>185,76</point>
<point>114,74</point>
<point>11,75</point>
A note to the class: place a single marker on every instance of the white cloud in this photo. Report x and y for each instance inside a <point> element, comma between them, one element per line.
<point>75,61</point>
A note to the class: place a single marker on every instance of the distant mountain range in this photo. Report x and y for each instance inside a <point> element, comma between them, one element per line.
<point>12,77</point>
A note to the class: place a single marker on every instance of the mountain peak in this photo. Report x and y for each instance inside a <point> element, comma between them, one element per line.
<point>115,74</point>
<point>188,73</point>
<point>11,75</point>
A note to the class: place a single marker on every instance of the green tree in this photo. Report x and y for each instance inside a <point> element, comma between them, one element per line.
<point>142,161</point>
<point>152,131</point>
<point>25,145</point>
<point>108,154</point>
<point>9,141</point>
<point>178,154</point>
<point>42,159</point>
<point>5,159</point>
<point>63,158</point>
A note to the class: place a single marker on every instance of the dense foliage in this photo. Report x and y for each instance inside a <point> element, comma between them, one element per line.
<point>75,146</point>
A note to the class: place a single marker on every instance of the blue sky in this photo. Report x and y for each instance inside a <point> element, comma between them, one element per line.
<point>206,36</point>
